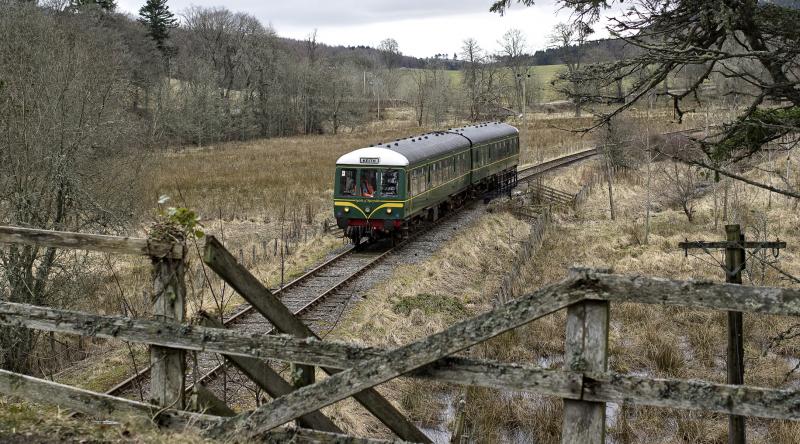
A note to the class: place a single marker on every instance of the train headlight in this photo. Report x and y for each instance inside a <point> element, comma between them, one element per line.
<point>346,210</point>
<point>388,211</point>
<point>366,210</point>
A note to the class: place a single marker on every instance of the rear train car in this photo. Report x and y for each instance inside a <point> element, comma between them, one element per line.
<point>386,189</point>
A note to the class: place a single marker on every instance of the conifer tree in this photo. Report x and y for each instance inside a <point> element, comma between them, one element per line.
<point>158,19</point>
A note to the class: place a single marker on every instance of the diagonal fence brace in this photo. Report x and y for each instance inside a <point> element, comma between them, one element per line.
<point>253,291</point>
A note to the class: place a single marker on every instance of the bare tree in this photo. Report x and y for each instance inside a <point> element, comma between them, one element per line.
<point>430,93</point>
<point>390,76</point>
<point>685,186</point>
<point>62,160</point>
<point>473,60</point>
<point>421,92</point>
<point>390,53</point>
<point>513,51</point>
<point>570,39</point>
<point>482,85</point>
<point>337,94</point>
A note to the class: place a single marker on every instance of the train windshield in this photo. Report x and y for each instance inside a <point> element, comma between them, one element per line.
<point>368,183</point>
<point>389,180</point>
<point>347,182</point>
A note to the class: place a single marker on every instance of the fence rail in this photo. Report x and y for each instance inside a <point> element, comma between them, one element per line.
<point>91,242</point>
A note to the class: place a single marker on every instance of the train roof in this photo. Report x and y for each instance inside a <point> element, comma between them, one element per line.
<point>411,150</point>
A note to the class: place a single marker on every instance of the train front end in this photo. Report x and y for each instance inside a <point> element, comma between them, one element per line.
<point>370,193</point>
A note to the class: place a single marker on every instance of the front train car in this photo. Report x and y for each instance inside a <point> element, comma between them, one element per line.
<point>369,192</point>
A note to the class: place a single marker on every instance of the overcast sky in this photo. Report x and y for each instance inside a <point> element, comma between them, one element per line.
<point>422,28</point>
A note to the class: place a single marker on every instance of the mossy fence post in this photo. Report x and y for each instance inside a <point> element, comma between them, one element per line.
<point>586,351</point>
<point>167,383</point>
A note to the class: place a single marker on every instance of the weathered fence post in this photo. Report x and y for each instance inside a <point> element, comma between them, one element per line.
<point>734,262</point>
<point>586,350</point>
<point>168,364</point>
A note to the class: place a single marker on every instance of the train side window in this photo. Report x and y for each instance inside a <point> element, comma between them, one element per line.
<point>389,181</point>
<point>427,177</point>
<point>347,182</point>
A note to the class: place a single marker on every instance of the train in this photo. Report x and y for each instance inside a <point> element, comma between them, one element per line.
<point>386,190</point>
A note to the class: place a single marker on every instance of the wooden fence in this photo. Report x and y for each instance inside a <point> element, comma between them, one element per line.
<point>585,384</point>
<point>527,249</point>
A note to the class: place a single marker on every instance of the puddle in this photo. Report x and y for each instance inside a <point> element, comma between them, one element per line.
<point>440,433</point>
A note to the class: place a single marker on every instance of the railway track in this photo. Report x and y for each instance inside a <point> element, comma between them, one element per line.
<point>529,172</point>
<point>316,297</point>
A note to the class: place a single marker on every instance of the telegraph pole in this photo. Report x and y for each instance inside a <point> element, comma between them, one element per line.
<point>734,247</point>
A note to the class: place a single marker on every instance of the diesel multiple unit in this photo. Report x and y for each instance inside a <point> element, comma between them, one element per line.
<point>386,189</point>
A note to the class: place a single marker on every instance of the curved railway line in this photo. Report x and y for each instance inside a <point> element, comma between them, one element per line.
<point>316,297</point>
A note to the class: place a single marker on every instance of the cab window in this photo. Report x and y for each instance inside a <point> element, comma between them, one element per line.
<point>389,181</point>
<point>347,182</point>
<point>368,183</point>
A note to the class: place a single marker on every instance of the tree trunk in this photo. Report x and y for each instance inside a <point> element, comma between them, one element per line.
<point>689,212</point>
<point>649,191</point>
<point>610,189</point>
<point>725,201</point>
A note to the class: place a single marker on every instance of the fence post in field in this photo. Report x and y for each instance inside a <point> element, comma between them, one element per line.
<point>734,263</point>
<point>167,382</point>
<point>586,350</point>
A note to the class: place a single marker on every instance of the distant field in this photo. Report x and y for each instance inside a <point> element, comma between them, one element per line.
<point>542,76</point>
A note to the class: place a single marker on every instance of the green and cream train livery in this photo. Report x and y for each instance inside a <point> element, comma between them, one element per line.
<point>386,189</point>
